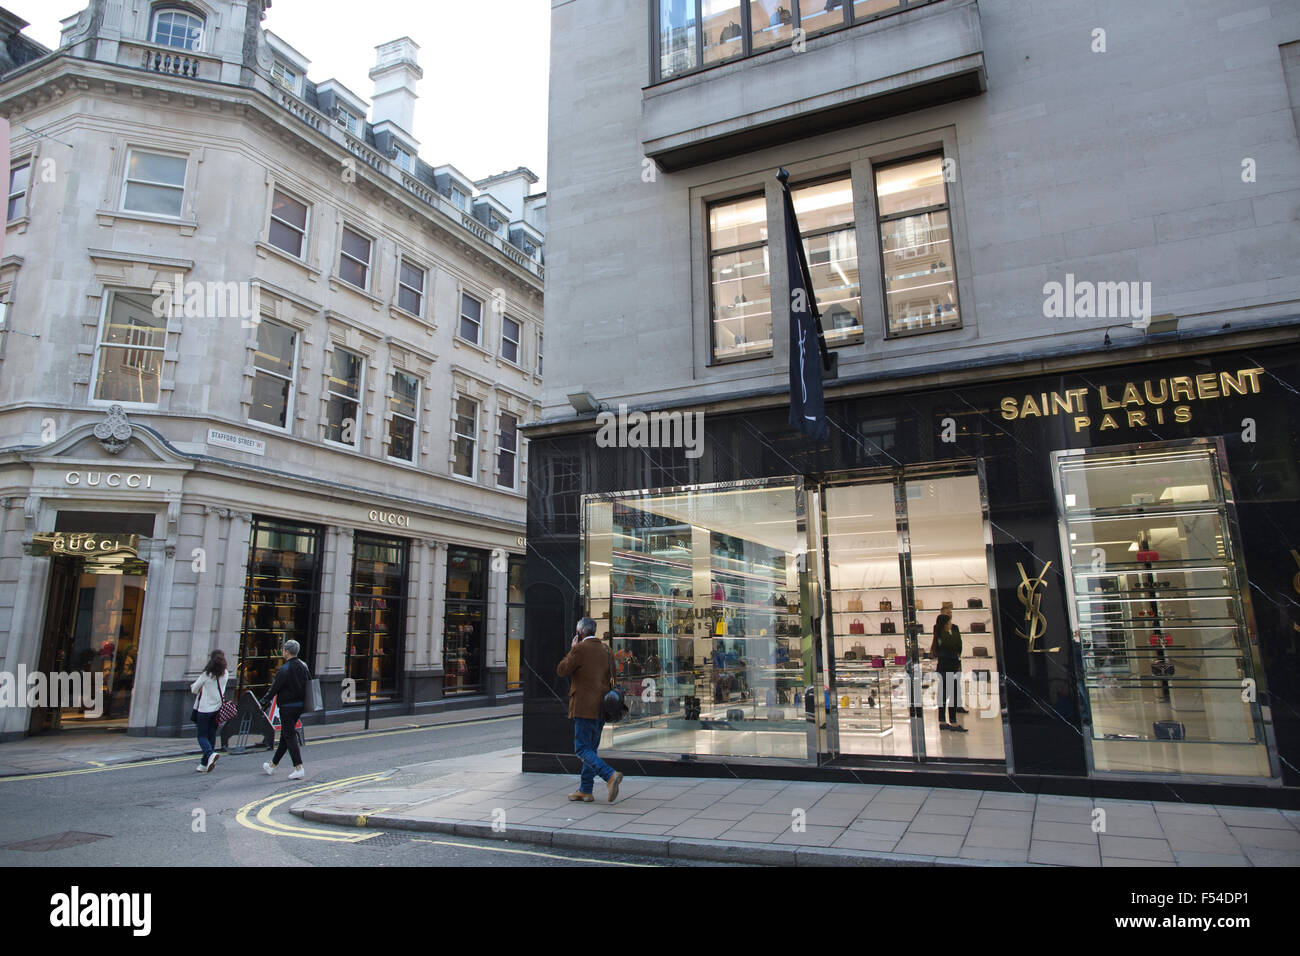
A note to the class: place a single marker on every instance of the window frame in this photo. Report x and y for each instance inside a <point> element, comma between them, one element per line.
<point>359,400</point>
<point>518,341</point>
<point>127,181</point>
<point>851,19</point>
<point>404,259</point>
<point>395,414</point>
<point>512,452</point>
<point>368,265</point>
<point>462,317</point>
<point>945,207</point>
<point>710,252</point>
<point>539,353</point>
<point>20,162</point>
<point>850,227</point>
<point>161,9</point>
<point>272,217</point>
<point>351,127</point>
<point>286,70</point>
<point>287,427</point>
<point>106,309</point>
<point>409,165</point>
<point>472,437</point>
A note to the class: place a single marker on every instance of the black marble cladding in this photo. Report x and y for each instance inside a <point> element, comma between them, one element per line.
<point>905,429</point>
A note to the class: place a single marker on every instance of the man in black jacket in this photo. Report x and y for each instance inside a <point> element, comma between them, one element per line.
<point>290,692</point>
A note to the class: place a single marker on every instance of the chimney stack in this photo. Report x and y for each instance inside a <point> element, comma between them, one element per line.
<point>395,74</point>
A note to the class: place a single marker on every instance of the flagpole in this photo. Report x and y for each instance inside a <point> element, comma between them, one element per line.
<point>783,177</point>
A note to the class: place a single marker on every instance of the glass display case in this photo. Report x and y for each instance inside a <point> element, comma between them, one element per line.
<point>1159,607</point>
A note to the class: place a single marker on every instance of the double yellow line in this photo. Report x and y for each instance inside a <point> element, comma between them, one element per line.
<point>265,805</point>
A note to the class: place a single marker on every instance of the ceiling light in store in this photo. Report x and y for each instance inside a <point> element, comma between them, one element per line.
<point>1134,547</point>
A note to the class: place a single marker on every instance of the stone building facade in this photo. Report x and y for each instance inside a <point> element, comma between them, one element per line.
<point>261,376</point>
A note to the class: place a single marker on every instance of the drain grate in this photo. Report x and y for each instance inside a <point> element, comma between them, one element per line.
<point>58,841</point>
<point>385,841</point>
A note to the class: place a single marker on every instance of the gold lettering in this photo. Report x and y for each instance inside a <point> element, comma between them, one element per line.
<point>1252,375</point>
<point>1010,411</point>
<point>1106,401</point>
<point>1131,396</point>
<point>1228,384</point>
<point>1060,403</point>
<point>1207,386</point>
<point>1181,387</point>
<point>1136,417</point>
<point>1081,422</point>
<point>1028,408</point>
<point>1164,392</point>
<point>1182,414</point>
<point>1108,422</point>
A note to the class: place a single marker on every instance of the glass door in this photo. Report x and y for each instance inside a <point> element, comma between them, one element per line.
<point>909,619</point>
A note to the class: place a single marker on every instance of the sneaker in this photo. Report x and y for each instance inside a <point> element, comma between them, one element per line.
<point>962,710</point>
<point>202,767</point>
<point>945,726</point>
<point>612,784</point>
<point>960,729</point>
<point>584,797</point>
<point>298,774</point>
<point>268,768</point>
<point>212,760</point>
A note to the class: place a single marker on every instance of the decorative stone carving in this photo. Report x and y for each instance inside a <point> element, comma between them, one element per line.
<point>114,432</point>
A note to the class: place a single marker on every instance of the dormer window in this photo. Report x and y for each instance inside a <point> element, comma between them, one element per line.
<point>403,159</point>
<point>177,28</point>
<point>286,76</point>
<point>460,199</point>
<point>346,119</point>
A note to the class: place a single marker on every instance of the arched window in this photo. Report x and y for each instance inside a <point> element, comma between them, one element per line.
<point>177,28</point>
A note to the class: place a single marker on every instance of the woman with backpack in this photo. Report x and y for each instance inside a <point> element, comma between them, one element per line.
<point>946,649</point>
<point>210,688</point>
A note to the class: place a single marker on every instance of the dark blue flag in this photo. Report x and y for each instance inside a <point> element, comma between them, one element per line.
<point>807,344</point>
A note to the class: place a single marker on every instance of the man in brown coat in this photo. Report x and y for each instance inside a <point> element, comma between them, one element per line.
<point>588,665</point>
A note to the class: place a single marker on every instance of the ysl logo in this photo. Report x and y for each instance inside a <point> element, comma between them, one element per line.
<point>1295,581</point>
<point>1032,599</point>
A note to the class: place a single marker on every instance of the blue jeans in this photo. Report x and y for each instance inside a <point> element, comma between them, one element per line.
<point>207,731</point>
<point>586,738</point>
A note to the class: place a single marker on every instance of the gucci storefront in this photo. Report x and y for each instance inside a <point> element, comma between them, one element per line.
<point>126,562</point>
<point>1117,554</point>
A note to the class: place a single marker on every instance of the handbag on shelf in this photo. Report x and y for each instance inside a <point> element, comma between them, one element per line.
<point>979,652</point>
<point>877,662</point>
<point>1157,640</point>
<point>1162,668</point>
<point>857,627</point>
<point>1144,557</point>
<point>886,604</point>
<point>861,651</point>
<point>719,594</point>
<point>855,606</point>
<point>974,602</point>
<point>899,660</point>
<point>890,650</point>
<point>1169,730</point>
<point>919,604</point>
<point>887,627</point>
<point>977,627</point>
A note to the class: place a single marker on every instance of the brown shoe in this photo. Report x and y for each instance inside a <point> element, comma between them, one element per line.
<point>584,797</point>
<point>613,783</point>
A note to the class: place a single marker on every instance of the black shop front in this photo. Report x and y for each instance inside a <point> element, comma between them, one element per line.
<point>1119,549</point>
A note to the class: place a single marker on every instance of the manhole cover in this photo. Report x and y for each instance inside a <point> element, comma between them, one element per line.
<point>58,841</point>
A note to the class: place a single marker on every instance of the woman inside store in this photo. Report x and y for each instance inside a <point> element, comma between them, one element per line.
<point>946,649</point>
<point>210,686</point>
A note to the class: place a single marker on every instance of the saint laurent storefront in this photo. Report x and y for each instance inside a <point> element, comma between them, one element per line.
<point>1117,548</point>
<point>126,561</point>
